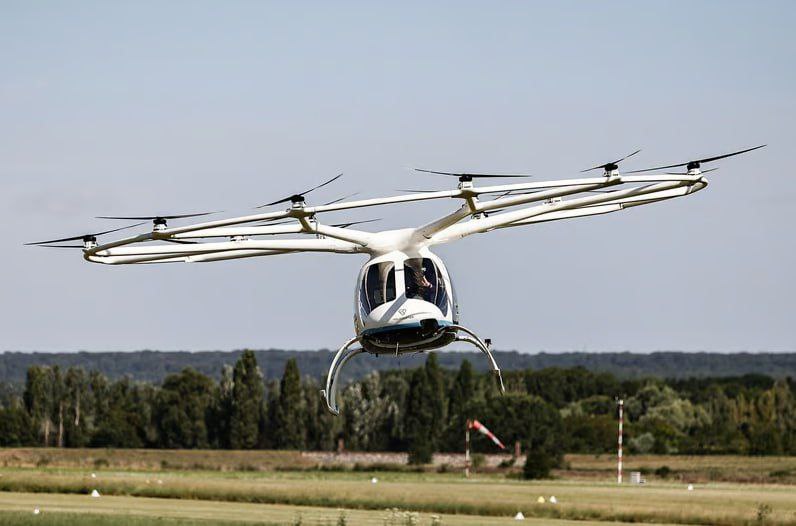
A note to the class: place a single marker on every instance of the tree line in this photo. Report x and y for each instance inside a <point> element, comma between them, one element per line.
<point>421,411</point>
<point>154,366</point>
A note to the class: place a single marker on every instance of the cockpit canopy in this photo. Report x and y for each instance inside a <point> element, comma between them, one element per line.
<point>422,280</point>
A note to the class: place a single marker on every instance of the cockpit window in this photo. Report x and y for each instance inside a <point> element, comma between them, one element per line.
<point>378,286</point>
<point>425,282</point>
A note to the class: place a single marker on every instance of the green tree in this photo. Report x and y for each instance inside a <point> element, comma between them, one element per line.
<point>37,397</point>
<point>247,401</point>
<point>181,409</point>
<point>544,431</point>
<point>126,416</point>
<point>16,428</point>
<point>290,432</point>
<point>221,410</point>
<point>77,407</point>
<point>420,418</point>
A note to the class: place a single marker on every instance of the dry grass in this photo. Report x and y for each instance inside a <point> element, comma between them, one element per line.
<point>153,459</point>
<point>727,504</point>
<point>584,491</point>
<point>723,468</point>
<point>718,468</point>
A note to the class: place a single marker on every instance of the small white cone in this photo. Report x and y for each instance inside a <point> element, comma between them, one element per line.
<point>690,487</point>
<point>95,493</point>
<point>374,480</point>
<point>519,516</point>
<point>553,500</point>
<point>540,500</point>
<point>36,511</point>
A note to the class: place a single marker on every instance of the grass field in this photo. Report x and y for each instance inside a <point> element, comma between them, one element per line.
<point>279,488</point>
<point>68,509</point>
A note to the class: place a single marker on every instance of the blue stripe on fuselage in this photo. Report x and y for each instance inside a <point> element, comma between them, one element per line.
<point>391,328</point>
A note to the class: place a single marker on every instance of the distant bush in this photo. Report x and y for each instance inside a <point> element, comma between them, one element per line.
<point>508,463</point>
<point>663,472</point>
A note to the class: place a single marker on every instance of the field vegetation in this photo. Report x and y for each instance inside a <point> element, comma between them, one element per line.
<point>426,493</point>
<point>271,445</point>
<point>661,468</point>
<point>418,411</point>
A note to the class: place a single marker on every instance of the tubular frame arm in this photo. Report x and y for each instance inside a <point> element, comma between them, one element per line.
<point>577,207</point>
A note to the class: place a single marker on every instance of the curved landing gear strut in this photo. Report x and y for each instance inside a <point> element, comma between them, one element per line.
<point>339,360</point>
<point>345,353</point>
<point>481,346</point>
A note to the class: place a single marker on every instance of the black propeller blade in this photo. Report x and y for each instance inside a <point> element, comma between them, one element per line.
<point>60,246</point>
<point>613,165</point>
<point>153,218</point>
<point>296,198</point>
<point>693,165</point>
<point>341,199</point>
<point>182,241</point>
<point>686,173</point>
<point>83,237</point>
<point>350,223</point>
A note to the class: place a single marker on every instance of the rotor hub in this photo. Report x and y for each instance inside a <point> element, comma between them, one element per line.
<point>159,224</point>
<point>297,200</point>
<point>89,242</point>
<point>693,165</point>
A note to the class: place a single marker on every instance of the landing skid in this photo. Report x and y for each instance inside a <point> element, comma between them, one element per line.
<point>346,352</point>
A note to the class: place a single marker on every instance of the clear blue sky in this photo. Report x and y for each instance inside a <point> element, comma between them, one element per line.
<point>152,107</point>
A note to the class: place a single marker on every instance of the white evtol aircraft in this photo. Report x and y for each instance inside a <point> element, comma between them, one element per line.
<point>404,301</point>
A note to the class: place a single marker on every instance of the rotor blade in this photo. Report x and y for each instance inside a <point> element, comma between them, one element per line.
<point>333,179</point>
<point>287,199</point>
<point>272,223</point>
<point>453,174</point>
<point>61,246</point>
<point>705,160</point>
<point>686,173</point>
<point>414,191</point>
<point>341,199</point>
<point>611,163</point>
<point>182,242</point>
<point>151,218</point>
<point>75,238</point>
<point>346,225</point>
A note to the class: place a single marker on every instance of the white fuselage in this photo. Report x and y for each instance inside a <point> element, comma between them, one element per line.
<point>401,301</point>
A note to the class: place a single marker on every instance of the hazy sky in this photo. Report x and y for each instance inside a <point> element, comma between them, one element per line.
<point>158,107</point>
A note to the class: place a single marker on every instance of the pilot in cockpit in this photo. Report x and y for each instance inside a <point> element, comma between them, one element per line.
<point>417,286</point>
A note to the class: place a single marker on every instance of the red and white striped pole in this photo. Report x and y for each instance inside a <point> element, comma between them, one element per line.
<point>619,450</point>
<point>467,449</point>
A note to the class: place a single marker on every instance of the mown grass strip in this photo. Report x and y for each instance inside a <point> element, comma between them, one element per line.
<point>208,491</point>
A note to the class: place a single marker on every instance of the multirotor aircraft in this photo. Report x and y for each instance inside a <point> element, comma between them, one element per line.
<point>404,300</point>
